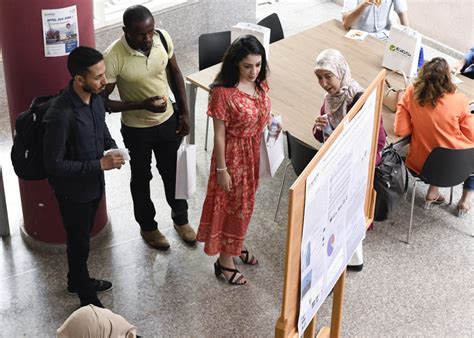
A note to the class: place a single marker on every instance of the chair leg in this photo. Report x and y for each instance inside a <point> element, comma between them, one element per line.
<point>207,133</point>
<point>281,191</point>
<point>415,181</point>
<point>451,196</point>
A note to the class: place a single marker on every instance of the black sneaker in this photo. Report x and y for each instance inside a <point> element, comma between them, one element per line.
<point>99,285</point>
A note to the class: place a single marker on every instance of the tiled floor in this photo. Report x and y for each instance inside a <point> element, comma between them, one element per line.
<point>422,289</point>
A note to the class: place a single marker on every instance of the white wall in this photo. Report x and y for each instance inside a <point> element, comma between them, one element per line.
<point>450,22</point>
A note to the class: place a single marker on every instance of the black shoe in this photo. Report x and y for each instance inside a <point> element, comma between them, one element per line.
<point>99,286</point>
<point>355,267</point>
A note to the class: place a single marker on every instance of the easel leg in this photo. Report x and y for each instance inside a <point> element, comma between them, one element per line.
<point>336,318</point>
<point>310,331</point>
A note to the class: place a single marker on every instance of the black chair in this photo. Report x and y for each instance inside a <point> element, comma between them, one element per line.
<point>273,22</point>
<point>443,168</point>
<point>212,47</point>
<point>300,154</point>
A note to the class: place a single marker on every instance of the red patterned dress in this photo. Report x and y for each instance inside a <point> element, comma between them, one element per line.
<point>226,216</point>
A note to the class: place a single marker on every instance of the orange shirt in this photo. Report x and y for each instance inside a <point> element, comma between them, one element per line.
<point>449,124</point>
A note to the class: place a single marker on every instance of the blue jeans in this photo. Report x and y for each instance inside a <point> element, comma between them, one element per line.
<point>469,183</point>
<point>163,141</point>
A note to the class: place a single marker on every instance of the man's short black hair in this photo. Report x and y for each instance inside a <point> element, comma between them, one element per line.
<point>81,58</point>
<point>135,14</point>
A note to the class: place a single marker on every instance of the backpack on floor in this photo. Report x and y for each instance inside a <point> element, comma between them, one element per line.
<point>390,182</point>
<point>27,149</point>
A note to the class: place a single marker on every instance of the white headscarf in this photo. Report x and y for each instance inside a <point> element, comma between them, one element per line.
<point>333,61</point>
<point>94,322</point>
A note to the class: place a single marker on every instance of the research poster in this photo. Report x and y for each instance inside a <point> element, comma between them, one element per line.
<point>60,31</point>
<point>334,219</point>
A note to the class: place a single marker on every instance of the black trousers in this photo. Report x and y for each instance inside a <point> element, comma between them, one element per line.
<point>78,219</point>
<point>163,141</point>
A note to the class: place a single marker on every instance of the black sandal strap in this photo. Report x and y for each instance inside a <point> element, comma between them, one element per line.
<point>236,282</point>
<point>231,279</point>
<point>223,268</point>
<point>247,259</point>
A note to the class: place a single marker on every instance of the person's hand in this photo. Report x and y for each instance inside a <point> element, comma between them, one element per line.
<point>156,104</point>
<point>110,161</point>
<point>224,181</point>
<point>456,68</point>
<point>321,122</point>
<point>183,125</point>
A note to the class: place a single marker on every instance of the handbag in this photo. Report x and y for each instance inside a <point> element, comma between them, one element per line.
<point>390,183</point>
<point>185,170</point>
<point>390,98</point>
<point>272,153</point>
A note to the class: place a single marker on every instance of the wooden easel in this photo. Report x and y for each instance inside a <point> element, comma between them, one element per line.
<point>287,323</point>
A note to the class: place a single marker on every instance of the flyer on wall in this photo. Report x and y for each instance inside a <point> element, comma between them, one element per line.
<point>60,31</point>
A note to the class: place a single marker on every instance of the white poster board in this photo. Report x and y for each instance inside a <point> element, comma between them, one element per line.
<point>60,31</point>
<point>334,219</point>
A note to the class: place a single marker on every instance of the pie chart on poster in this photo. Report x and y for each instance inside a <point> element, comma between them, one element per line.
<point>331,243</point>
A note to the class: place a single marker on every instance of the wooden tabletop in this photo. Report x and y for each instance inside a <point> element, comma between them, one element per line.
<point>294,89</point>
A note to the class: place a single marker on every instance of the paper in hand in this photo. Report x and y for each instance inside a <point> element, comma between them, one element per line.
<point>118,151</point>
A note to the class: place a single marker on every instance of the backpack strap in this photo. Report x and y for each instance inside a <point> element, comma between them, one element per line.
<point>406,180</point>
<point>165,44</point>
<point>65,104</point>
<point>163,40</point>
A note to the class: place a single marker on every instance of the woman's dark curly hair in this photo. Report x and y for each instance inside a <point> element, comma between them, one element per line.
<point>434,80</point>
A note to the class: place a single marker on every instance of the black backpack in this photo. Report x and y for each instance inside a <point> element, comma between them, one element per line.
<point>390,182</point>
<point>27,149</point>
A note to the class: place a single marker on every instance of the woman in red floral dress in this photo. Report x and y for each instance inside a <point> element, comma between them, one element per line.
<point>240,108</point>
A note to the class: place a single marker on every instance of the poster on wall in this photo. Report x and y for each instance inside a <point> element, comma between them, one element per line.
<point>60,31</point>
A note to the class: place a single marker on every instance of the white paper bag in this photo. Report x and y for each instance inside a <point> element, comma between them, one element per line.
<point>402,50</point>
<point>260,32</point>
<point>271,153</point>
<point>185,170</point>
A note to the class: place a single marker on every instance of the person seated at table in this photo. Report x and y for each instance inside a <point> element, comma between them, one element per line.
<point>373,16</point>
<point>466,65</point>
<point>435,116</point>
<point>342,92</point>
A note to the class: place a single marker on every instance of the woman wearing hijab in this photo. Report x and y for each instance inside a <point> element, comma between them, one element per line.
<point>342,92</point>
<point>94,322</point>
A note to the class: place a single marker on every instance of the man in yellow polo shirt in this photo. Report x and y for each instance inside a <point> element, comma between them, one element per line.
<point>137,64</point>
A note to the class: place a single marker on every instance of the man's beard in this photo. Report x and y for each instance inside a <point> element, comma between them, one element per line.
<point>89,89</point>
